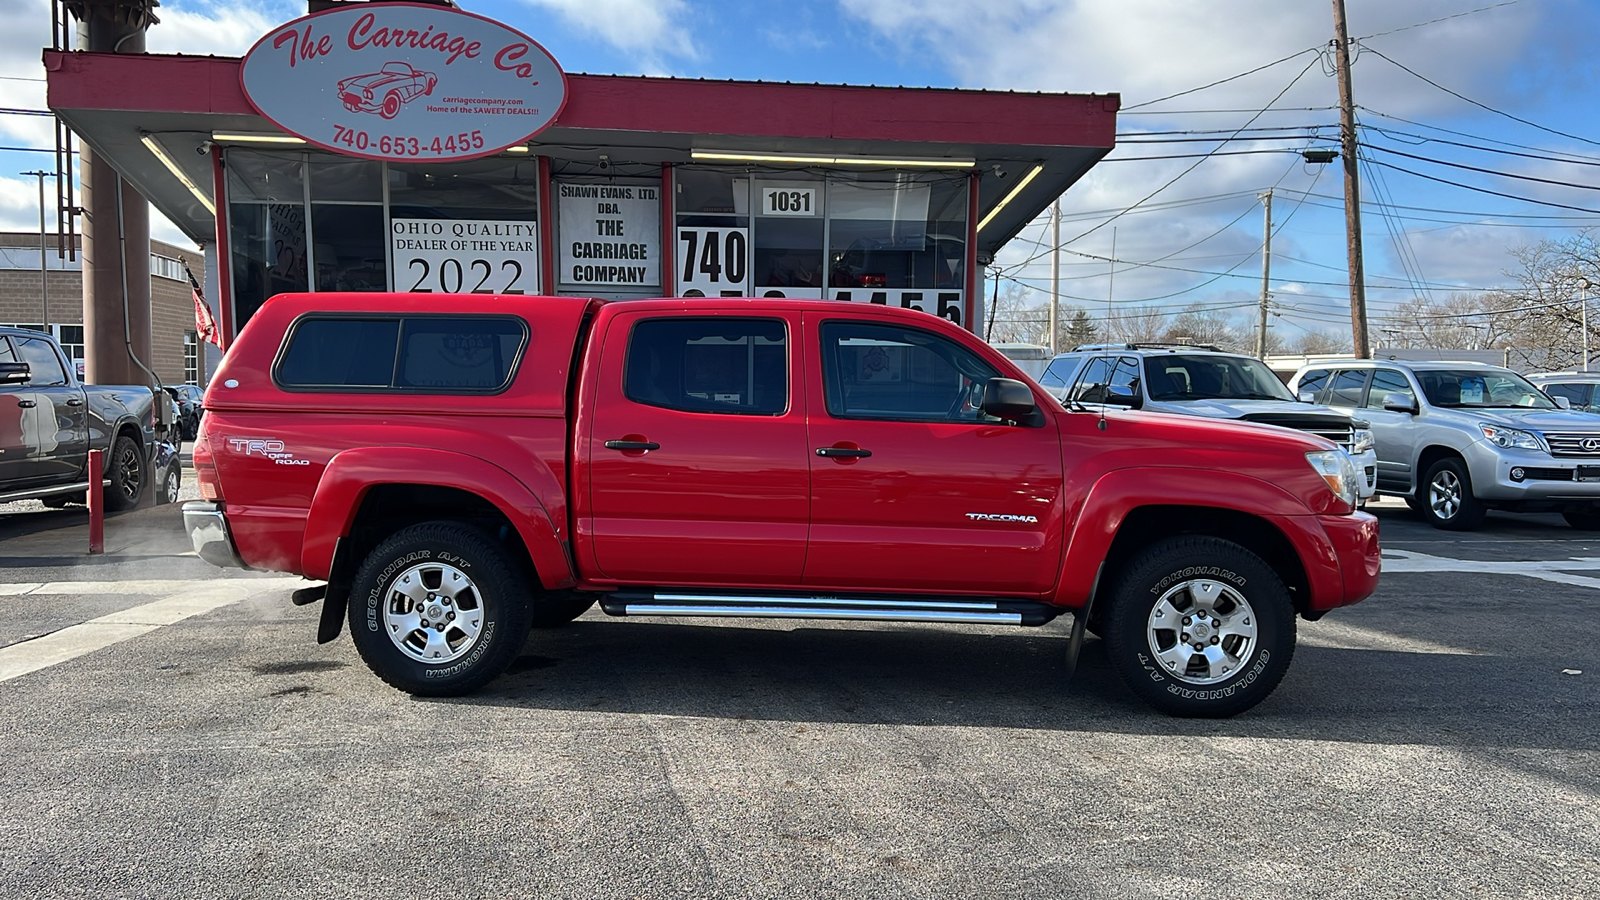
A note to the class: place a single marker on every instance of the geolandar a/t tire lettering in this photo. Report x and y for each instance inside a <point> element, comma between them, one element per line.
<point>438,609</point>
<point>1200,626</point>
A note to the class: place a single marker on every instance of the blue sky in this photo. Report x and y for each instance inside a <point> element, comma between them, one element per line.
<point>1196,240</point>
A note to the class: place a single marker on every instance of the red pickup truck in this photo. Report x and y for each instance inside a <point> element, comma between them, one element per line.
<point>458,469</point>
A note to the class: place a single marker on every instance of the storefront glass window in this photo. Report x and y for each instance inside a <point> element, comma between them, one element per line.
<point>255,176</point>
<point>347,230</point>
<point>467,226</point>
<point>712,233</point>
<point>897,232</point>
<point>789,230</point>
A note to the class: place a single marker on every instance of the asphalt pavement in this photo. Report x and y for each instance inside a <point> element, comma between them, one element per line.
<point>182,734</point>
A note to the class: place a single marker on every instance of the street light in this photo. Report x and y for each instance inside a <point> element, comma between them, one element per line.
<point>44,274</point>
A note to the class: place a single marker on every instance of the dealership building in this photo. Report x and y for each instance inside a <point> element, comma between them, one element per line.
<point>418,147</point>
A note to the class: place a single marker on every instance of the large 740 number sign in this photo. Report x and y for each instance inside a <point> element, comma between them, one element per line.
<point>713,262</point>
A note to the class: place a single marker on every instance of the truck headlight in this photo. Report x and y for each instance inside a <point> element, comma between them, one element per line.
<point>1510,438</point>
<point>1361,440</point>
<point>1338,471</point>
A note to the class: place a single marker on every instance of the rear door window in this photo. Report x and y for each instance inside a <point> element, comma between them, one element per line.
<point>724,365</point>
<point>1348,388</point>
<point>1056,375</point>
<point>1312,384</point>
<point>42,358</point>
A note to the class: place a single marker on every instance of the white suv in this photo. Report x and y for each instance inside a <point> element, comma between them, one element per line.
<point>1194,380</point>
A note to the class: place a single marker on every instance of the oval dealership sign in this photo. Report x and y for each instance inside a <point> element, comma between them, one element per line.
<point>404,81</point>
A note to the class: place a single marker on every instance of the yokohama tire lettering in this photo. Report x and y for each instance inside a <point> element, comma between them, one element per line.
<point>1198,572</point>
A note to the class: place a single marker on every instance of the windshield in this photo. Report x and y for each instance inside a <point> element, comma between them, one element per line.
<point>1457,390</point>
<point>1180,377</point>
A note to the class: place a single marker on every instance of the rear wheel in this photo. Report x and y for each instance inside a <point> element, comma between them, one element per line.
<point>1200,626</point>
<point>125,468</point>
<point>1445,495</point>
<point>438,609</point>
<point>169,483</point>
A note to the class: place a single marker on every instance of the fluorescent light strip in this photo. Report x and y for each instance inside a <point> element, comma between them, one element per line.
<point>150,142</point>
<point>237,138</point>
<point>831,160</point>
<point>1010,197</point>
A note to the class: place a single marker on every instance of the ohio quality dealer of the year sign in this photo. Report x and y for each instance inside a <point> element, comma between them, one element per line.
<point>404,81</point>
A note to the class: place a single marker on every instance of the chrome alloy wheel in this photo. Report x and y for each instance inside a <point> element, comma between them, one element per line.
<point>1444,494</point>
<point>1202,631</point>
<point>432,613</point>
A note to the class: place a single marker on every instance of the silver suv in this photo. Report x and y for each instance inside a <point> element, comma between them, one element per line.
<point>1456,439</point>
<point>1194,380</point>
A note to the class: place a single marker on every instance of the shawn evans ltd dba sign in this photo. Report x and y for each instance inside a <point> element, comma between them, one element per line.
<point>404,82</point>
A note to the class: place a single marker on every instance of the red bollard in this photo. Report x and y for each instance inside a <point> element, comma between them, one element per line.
<point>97,503</point>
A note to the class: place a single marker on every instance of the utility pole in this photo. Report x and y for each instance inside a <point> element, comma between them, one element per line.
<point>44,273</point>
<point>1352,184</point>
<point>1055,270</point>
<point>1583,317</point>
<point>1266,274</point>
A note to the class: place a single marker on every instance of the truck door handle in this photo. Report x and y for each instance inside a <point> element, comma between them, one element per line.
<point>74,401</point>
<point>26,404</point>
<point>843,451</point>
<point>632,445</point>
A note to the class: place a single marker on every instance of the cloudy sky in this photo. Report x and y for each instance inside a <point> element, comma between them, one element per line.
<point>1477,116</point>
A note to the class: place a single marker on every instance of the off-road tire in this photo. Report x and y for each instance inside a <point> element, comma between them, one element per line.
<point>488,585</point>
<point>1445,495</point>
<point>125,467</point>
<point>1246,609</point>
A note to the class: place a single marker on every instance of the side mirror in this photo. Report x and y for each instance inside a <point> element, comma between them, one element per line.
<point>1400,403</point>
<point>1307,397</point>
<point>1562,402</point>
<point>15,373</point>
<point>1007,398</point>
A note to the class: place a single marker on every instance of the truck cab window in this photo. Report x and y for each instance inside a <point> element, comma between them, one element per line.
<point>724,366</point>
<point>42,359</point>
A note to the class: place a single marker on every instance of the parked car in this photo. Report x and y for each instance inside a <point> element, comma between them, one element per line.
<point>1577,388</point>
<point>190,400</point>
<point>457,468</point>
<point>49,422</point>
<point>1191,380</point>
<point>1456,439</point>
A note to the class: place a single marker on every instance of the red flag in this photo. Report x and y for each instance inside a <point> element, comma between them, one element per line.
<point>205,325</point>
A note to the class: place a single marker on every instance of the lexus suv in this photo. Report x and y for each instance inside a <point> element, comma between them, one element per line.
<point>1196,380</point>
<point>1456,439</point>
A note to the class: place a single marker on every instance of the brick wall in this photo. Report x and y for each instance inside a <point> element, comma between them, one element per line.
<point>172,310</point>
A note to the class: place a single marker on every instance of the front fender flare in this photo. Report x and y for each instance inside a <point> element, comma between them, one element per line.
<point>1109,501</point>
<point>350,474</point>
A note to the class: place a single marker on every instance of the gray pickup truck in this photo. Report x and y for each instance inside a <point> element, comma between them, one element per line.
<point>49,422</point>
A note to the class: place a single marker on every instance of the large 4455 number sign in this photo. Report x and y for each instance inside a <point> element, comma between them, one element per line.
<point>470,256</point>
<point>940,303</point>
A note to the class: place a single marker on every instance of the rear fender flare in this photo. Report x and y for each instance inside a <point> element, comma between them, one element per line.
<point>352,473</point>
<point>1118,493</point>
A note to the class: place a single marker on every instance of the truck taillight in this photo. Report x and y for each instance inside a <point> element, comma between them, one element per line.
<point>205,468</point>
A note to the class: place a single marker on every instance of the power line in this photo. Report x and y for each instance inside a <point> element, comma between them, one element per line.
<point>1480,190</point>
<point>1441,19</point>
<point>1483,106</point>
<point>1440,162</point>
<point>1223,81</point>
<point>1466,134</point>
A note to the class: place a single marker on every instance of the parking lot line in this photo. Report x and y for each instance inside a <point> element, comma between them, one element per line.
<point>186,599</point>
<point>1557,570</point>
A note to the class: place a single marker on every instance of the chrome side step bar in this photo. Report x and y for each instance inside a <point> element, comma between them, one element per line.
<point>875,607</point>
<point>35,493</point>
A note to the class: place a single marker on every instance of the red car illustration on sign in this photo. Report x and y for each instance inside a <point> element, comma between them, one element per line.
<point>383,92</point>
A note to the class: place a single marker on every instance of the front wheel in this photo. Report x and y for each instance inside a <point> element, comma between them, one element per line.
<point>438,609</point>
<point>125,468</point>
<point>1584,520</point>
<point>1445,496</point>
<point>1200,626</point>
<point>169,483</point>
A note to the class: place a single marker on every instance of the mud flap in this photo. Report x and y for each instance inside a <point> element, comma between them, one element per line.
<point>333,608</point>
<point>1080,622</point>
